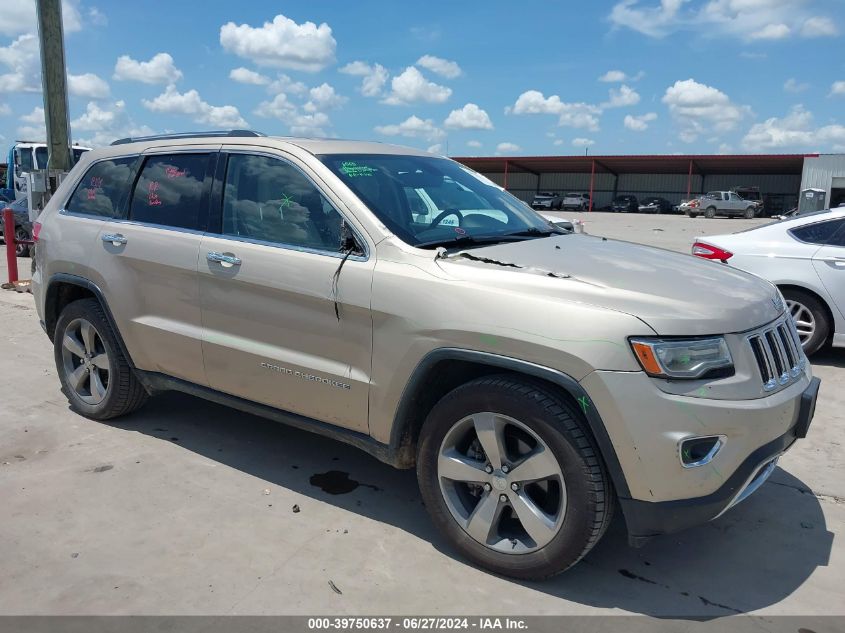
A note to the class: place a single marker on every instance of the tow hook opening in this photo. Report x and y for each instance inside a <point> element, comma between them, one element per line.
<point>700,451</point>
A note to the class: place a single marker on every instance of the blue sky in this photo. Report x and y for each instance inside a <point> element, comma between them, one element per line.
<point>462,78</point>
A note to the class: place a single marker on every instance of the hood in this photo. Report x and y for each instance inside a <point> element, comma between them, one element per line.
<point>675,294</point>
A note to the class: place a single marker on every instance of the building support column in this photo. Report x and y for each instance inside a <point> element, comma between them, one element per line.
<point>506,174</point>
<point>689,180</point>
<point>592,182</point>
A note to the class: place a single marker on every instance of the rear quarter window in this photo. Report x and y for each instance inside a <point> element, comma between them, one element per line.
<point>819,232</point>
<point>103,189</point>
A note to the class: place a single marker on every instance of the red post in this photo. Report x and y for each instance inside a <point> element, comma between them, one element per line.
<point>506,174</point>
<point>689,180</point>
<point>9,236</point>
<point>592,182</point>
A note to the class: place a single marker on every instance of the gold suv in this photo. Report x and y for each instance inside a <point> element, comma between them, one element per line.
<point>537,379</point>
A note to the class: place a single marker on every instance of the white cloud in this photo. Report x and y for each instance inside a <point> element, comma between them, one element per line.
<point>437,148</point>
<point>507,148</point>
<point>819,27</point>
<point>795,86</point>
<point>614,76</point>
<point>323,97</point>
<point>23,60</point>
<point>699,109</point>
<point>413,127</point>
<point>412,87</point>
<point>279,107</point>
<point>583,142</point>
<point>577,115</point>
<point>558,142</point>
<point>189,103</point>
<point>655,21</point>
<point>470,117</point>
<point>639,123</point>
<point>283,83</point>
<point>36,116</point>
<point>311,123</point>
<point>742,19</point>
<point>374,77</point>
<point>87,85</point>
<point>622,97</point>
<point>473,143</point>
<point>837,88</point>
<point>19,17</point>
<point>440,66</point>
<point>794,131</point>
<point>159,70</point>
<point>617,76</point>
<point>282,43</point>
<point>103,124</point>
<point>5,110</point>
<point>246,76</point>
<point>97,17</point>
<point>771,32</point>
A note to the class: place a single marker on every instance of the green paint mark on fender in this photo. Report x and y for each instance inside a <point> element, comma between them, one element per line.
<point>354,170</point>
<point>488,339</point>
<point>584,402</point>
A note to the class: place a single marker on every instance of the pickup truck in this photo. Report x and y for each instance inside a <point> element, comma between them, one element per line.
<point>725,203</point>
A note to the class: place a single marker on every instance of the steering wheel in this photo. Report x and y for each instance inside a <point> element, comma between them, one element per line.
<point>445,214</point>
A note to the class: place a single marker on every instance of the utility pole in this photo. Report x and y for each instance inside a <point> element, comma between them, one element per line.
<point>54,86</point>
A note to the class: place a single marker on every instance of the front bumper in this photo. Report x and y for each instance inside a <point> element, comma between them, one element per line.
<point>646,519</point>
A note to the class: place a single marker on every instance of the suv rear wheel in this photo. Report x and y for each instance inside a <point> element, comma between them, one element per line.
<point>710,213</point>
<point>509,474</point>
<point>95,376</point>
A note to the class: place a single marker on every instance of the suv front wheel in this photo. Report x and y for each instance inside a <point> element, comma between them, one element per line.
<point>95,376</point>
<point>510,475</point>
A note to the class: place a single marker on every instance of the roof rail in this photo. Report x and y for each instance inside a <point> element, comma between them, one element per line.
<point>181,135</point>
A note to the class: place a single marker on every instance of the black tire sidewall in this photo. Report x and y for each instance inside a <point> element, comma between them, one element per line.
<point>573,539</point>
<point>91,311</point>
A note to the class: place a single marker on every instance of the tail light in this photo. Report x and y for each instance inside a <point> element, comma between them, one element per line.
<point>36,229</point>
<point>708,251</point>
<point>693,204</point>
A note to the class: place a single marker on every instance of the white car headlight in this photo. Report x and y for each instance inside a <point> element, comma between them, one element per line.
<point>683,358</point>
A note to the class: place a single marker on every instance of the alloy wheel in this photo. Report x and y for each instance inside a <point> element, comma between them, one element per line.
<point>85,361</point>
<point>502,483</point>
<point>805,322</point>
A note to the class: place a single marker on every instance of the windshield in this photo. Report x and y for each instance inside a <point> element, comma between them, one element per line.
<point>426,200</point>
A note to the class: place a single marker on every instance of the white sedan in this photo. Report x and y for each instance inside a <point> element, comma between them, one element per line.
<point>804,256</point>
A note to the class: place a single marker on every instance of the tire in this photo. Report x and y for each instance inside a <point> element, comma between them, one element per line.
<point>22,250</point>
<point>811,319</point>
<point>120,390</point>
<point>577,511</point>
<point>749,213</point>
<point>710,213</point>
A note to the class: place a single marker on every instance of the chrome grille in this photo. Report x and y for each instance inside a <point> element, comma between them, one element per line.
<point>777,350</point>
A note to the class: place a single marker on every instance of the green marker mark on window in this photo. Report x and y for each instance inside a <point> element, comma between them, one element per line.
<point>584,403</point>
<point>286,201</point>
<point>354,170</point>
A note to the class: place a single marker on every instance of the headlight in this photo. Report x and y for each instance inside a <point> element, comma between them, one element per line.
<point>678,358</point>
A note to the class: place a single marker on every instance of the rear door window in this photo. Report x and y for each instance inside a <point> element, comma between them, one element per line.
<point>103,189</point>
<point>171,191</point>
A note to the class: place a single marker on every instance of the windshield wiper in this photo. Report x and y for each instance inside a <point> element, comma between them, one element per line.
<point>535,232</point>
<point>463,240</point>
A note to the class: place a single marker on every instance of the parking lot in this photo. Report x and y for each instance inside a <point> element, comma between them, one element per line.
<point>187,507</point>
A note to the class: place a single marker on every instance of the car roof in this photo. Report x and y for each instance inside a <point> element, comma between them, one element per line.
<point>316,146</point>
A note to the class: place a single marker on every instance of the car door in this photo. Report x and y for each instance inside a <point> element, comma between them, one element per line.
<point>146,260</point>
<point>286,313</point>
<point>829,263</point>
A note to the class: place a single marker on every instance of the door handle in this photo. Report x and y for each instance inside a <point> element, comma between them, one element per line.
<point>115,238</point>
<point>224,260</point>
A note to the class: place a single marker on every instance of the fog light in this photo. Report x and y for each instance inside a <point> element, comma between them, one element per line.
<point>699,451</point>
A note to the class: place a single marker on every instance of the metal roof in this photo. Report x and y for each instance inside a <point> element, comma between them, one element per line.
<point>646,164</point>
